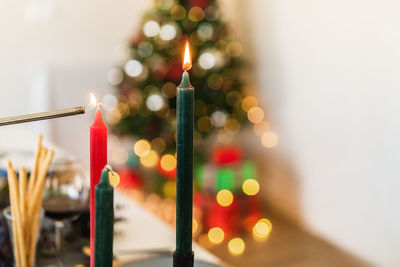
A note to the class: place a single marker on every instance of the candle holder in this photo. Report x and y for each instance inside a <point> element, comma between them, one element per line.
<point>163,262</point>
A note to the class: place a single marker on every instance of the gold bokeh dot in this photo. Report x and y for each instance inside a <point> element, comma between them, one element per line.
<point>178,12</point>
<point>236,246</point>
<point>168,162</point>
<point>262,229</point>
<point>204,124</point>
<point>216,235</point>
<point>196,14</point>
<point>255,114</point>
<point>141,147</point>
<point>224,198</point>
<point>150,160</point>
<point>250,187</point>
<point>269,139</point>
<point>248,102</point>
<point>113,178</point>
<point>169,90</point>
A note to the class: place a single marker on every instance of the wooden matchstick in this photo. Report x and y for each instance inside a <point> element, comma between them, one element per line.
<point>13,214</point>
<point>37,200</point>
<point>32,177</point>
<point>19,242</point>
<point>22,204</point>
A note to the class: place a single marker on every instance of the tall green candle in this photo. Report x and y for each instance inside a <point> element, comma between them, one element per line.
<point>184,175</point>
<point>104,221</point>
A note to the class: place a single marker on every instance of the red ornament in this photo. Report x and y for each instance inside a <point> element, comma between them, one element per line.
<point>226,218</point>
<point>226,155</point>
<point>169,174</point>
<point>175,72</point>
<point>129,179</point>
<point>200,3</point>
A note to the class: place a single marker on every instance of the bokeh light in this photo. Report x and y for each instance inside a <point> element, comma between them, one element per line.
<point>216,235</point>
<point>207,60</point>
<point>248,102</point>
<point>178,12</point>
<point>269,139</point>
<point>168,162</point>
<point>218,118</point>
<point>155,102</point>
<point>150,160</point>
<point>196,14</point>
<point>255,114</point>
<point>169,90</point>
<point>168,32</point>
<point>151,28</point>
<point>236,246</point>
<point>205,31</point>
<point>141,148</point>
<point>250,187</point>
<point>133,68</point>
<point>262,229</point>
<point>224,198</point>
<point>113,178</point>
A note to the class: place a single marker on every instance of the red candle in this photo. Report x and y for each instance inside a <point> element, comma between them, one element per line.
<point>98,159</point>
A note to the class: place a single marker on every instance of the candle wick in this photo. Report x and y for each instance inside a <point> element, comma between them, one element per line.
<point>109,168</point>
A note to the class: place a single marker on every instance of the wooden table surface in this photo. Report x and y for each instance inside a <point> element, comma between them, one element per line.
<point>288,246</point>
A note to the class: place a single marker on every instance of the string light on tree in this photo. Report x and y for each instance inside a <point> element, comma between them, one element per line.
<point>133,68</point>
<point>216,235</point>
<point>262,229</point>
<point>236,246</point>
<point>269,139</point>
<point>168,32</point>
<point>224,198</point>
<point>151,28</point>
<point>250,187</point>
<point>142,147</point>
<point>168,162</point>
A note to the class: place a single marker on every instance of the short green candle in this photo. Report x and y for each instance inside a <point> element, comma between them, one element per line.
<point>104,222</point>
<point>184,174</point>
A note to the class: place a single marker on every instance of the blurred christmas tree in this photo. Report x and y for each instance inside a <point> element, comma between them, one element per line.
<point>226,185</point>
<point>147,82</point>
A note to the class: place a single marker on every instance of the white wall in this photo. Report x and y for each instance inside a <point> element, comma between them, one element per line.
<point>328,72</point>
<point>54,52</point>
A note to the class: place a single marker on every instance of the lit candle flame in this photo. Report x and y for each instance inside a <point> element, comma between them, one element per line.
<point>93,101</point>
<point>187,61</point>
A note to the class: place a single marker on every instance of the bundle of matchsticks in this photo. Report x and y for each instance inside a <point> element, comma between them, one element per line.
<point>26,204</point>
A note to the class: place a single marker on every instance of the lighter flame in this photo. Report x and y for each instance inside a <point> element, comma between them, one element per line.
<point>187,61</point>
<point>93,101</point>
